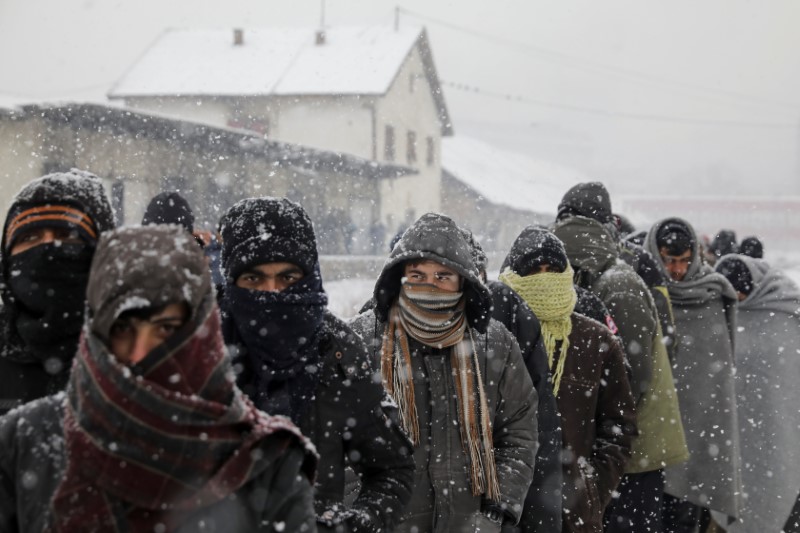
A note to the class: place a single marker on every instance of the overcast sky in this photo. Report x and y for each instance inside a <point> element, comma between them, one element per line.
<point>678,97</point>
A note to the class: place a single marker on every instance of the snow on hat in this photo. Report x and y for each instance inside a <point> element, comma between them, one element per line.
<point>724,243</point>
<point>589,200</point>
<point>736,271</point>
<point>478,255</point>
<point>675,237</point>
<point>74,199</point>
<point>267,230</point>
<point>753,247</point>
<point>169,208</point>
<point>533,247</point>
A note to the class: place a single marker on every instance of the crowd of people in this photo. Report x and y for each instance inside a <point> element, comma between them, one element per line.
<point>163,379</point>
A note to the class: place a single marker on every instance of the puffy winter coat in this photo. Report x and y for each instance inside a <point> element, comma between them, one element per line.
<point>442,500</point>
<point>542,511</point>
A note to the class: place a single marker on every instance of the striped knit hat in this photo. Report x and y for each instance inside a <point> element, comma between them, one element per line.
<point>74,200</point>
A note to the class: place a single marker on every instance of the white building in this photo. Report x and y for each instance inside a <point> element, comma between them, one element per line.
<point>370,92</point>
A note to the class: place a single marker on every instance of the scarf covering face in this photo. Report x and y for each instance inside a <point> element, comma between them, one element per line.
<point>552,297</point>
<point>280,332</point>
<point>436,318</point>
<point>149,444</point>
<point>48,285</point>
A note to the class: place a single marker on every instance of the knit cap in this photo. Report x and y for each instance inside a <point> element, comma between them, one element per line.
<point>169,208</point>
<point>589,200</point>
<point>533,247</point>
<point>753,247</point>
<point>74,200</point>
<point>267,230</point>
<point>675,237</point>
<point>736,271</point>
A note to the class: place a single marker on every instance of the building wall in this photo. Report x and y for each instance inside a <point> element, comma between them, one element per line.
<point>409,107</point>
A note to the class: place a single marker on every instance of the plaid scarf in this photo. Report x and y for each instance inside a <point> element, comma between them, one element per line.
<point>150,444</point>
<point>436,318</point>
<point>552,297</point>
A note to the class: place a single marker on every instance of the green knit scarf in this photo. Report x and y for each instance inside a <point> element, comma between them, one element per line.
<point>551,296</point>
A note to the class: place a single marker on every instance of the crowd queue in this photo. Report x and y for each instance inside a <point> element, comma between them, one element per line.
<point>157,378</point>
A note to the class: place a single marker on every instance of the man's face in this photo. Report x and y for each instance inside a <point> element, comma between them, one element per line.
<point>541,269</point>
<point>433,273</point>
<point>132,338</point>
<point>677,265</point>
<point>44,235</point>
<point>270,277</point>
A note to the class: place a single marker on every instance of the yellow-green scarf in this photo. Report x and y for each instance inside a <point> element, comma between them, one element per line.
<point>552,298</point>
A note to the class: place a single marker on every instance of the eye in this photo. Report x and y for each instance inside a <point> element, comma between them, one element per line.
<point>120,328</point>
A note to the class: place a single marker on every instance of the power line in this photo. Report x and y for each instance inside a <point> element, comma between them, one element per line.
<point>577,62</point>
<point>614,114</point>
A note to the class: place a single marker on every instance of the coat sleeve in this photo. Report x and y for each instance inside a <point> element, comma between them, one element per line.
<point>616,425</point>
<point>634,314</point>
<point>515,428</point>
<point>289,503</point>
<point>377,448</point>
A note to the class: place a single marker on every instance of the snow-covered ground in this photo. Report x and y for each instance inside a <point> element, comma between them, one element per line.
<point>347,296</point>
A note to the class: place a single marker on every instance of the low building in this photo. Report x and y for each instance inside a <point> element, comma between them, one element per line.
<point>141,154</point>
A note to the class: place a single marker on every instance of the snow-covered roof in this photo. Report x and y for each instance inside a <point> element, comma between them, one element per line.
<point>508,178</point>
<point>278,61</point>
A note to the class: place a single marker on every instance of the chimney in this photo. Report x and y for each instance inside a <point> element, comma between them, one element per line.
<point>320,37</point>
<point>238,37</point>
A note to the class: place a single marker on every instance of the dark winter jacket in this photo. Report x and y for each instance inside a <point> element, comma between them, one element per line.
<point>351,422</point>
<point>26,374</point>
<point>32,464</point>
<point>542,511</point>
<point>593,252</point>
<point>704,303</point>
<point>442,499</point>
<point>598,423</point>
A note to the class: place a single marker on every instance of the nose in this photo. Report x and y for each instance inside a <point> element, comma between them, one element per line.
<point>271,285</point>
<point>48,236</point>
<point>142,345</point>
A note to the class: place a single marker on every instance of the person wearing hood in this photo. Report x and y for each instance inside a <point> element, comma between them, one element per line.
<point>583,225</point>
<point>152,434</point>
<point>723,243</point>
<point>49,237</point>
<point>466,399</point>
<point>704,303</point>
<point>542,511</point>
<point>296,359</point>
<point>767,344</point>
<point>587,371</point>
<point>752,247</point>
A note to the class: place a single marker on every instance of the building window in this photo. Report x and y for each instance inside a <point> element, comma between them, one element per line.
<point>430,156</point>
<point>411,148</point>
<point>388,147</point>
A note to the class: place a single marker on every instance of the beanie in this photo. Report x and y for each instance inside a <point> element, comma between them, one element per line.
<point>589,200</point>
<point>675,237</point>
<point>753,247</point>
<point>536,246</point>
<point>737,273</point>
<point>724,243</point>
<point>267,230</point>
<point>74,199</point>
<point>169,208</point>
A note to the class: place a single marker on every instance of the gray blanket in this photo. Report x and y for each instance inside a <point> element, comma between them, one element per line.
<point>704,304</point>
<point>768,371</point>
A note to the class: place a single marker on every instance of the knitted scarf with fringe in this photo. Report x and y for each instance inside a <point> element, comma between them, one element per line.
<point>551,296</point>
<point>436,318</point>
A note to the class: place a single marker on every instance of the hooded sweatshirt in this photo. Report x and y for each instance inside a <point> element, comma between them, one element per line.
<point>767,344</point>
<point>704,304</point>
